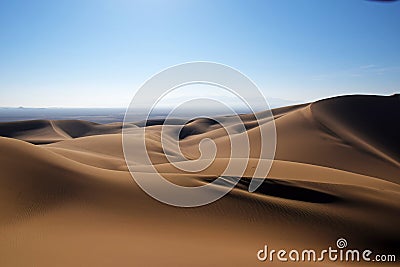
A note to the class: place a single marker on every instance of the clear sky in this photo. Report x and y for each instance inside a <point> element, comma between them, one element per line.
<point>96,53</point>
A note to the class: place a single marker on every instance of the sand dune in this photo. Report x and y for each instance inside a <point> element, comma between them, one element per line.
<point>45,131</point>
<point>67,198</point>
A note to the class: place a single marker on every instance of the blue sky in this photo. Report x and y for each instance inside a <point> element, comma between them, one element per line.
<point>97,53</point>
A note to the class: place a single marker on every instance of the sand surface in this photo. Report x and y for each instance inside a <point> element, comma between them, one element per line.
<point>67,198</point>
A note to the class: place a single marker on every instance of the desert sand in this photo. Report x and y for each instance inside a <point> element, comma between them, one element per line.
<point>68,199</point>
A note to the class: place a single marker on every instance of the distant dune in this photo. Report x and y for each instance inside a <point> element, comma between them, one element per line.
<point>67,199</point>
